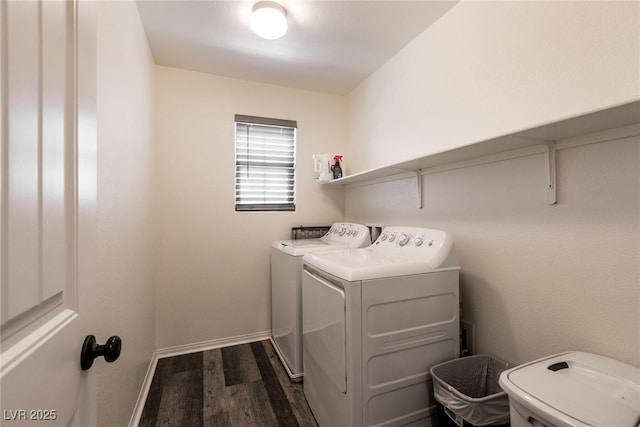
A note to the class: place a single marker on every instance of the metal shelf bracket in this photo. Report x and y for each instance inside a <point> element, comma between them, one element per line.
<point>551,194</point>
<point>551,191</point>
<point>419,187</point>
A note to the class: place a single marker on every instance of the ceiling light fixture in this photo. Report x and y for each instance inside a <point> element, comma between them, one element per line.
<point>269,20</point>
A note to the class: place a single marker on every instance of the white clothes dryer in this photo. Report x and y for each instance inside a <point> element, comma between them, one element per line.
<point>374,322</point>
<point>286,282</point>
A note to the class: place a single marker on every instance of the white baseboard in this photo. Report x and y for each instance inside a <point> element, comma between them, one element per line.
<point>186,349</point>
<point>210,345</point>
<point>144,392</point>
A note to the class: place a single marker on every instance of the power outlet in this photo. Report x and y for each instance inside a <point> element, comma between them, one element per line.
<point>467,338</point>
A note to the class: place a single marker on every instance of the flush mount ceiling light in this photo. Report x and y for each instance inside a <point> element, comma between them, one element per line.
<point>269,20</point>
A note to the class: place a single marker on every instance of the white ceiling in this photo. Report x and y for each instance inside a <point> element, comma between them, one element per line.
<point>330,46</point>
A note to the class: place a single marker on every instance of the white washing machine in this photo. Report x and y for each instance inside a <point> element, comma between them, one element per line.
<point>374,322</point>
<point>286,296</point>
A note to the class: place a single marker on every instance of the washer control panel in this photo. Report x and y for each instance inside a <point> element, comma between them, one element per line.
<point>411,242</point>
<point>415,237</point>
<point>348,233</point>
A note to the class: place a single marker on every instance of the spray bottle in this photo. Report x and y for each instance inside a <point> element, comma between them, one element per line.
<point>337,170</point>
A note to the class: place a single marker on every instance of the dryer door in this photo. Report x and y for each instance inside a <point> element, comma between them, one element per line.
<point>323,314</point>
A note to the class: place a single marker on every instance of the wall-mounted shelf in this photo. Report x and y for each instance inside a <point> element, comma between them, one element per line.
<point>541,138</point>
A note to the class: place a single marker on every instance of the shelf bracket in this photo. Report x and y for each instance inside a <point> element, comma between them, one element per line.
<point>551,190</point>
<point>419,187</point>
<point>551,194</point>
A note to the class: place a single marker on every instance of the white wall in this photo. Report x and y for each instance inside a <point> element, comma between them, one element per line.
<point>536,279</point>
<point>125,288</point>
<point>212,268</point>
<point>484,69</point>
<point>487,69</point>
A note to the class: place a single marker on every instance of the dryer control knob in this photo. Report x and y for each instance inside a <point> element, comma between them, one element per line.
<point>342,231</point>
<point>418,241</point>
<point>404,239</point>
<point>392,237</point>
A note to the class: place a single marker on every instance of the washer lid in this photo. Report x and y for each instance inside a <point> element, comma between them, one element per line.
<point>341,235</point>
<point>301,247</point>
<point>577,387</point>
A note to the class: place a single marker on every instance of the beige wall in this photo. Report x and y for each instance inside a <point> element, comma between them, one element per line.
<point>124,289</point>
<point>536,279</point>
<point>212,264</point>
<point>487,69</point>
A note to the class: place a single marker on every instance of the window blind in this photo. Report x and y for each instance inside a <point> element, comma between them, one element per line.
<point>265,164</point>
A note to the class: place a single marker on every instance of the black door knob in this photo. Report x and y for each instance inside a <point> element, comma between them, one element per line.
<point>90,350</point>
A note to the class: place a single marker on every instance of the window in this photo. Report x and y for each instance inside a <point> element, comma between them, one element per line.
<point>265,164</point>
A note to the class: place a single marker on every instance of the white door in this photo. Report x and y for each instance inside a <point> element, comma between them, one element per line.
<point>48,172</point>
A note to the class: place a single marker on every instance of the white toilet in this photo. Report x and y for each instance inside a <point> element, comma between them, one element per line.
<point>573,389</point>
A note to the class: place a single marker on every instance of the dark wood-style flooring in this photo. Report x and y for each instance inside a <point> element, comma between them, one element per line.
<point>241,385</point>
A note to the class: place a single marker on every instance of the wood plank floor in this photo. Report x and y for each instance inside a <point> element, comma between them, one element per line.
<point>242,385</point>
